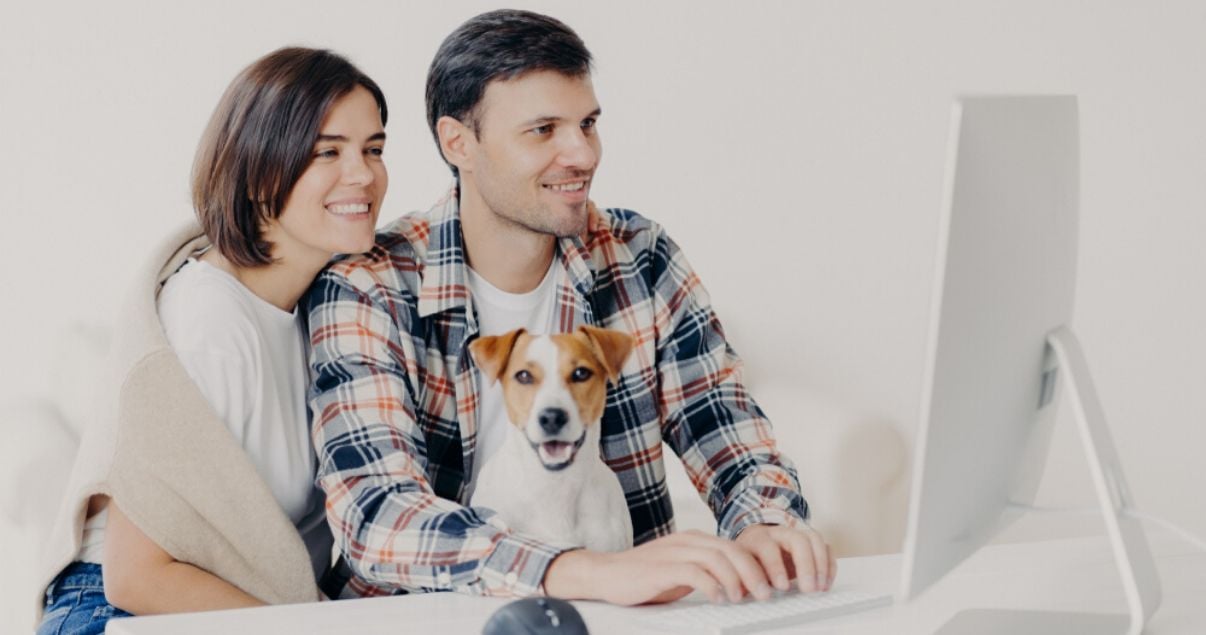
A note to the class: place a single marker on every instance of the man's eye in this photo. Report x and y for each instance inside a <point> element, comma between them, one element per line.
<point>523,377</point>
<point>376,151</point>
<point>581,373</point>
<point>589,124</point>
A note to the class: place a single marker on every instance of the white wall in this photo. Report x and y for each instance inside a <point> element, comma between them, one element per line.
<point>795,149</point>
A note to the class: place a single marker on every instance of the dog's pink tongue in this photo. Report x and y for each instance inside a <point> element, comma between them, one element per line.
<point>555,451</point>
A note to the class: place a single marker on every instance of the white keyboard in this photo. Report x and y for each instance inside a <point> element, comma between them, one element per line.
<point>784,609</point>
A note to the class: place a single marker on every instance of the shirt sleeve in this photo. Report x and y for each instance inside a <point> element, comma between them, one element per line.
<point>708,418</point>
<point>392,529</point>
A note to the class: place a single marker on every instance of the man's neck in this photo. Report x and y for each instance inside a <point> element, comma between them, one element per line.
<point>510,257</point>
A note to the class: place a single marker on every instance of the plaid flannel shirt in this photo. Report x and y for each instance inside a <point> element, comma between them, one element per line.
<point>395,396</point>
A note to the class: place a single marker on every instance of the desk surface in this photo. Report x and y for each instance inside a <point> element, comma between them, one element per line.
<point>1073,574</point>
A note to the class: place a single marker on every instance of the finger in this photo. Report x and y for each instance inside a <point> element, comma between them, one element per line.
<point>772,558</point>
<point>753,575</point>
<point>697,577</point>
<point>832,569</point>
<point>717,565</point>
<point>821,557</point>
<point>750,572</point>
<point>672,594</point>
<point>801,557</point>
<point>736,569</point>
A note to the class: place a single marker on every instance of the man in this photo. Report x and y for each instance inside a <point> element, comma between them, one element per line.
<point>403,419</point>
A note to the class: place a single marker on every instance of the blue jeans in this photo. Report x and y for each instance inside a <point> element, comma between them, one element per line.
<point>76,604</point>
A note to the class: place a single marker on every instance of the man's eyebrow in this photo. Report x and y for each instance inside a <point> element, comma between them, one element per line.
<point>540,121</point>
<point>380,136</point>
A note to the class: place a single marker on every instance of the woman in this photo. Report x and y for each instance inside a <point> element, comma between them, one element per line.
<point>195,488</point>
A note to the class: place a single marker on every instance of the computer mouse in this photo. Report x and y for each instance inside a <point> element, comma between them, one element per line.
<point>536,616</point>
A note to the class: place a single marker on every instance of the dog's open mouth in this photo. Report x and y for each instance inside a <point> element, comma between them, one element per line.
<point>557,455</point>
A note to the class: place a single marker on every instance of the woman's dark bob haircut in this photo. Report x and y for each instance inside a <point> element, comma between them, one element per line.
<point>261,139</point>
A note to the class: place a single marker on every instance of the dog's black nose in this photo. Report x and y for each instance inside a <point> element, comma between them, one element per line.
<point>552,420</point>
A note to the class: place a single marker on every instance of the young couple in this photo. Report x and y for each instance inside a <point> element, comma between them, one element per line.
<point>202,483</point>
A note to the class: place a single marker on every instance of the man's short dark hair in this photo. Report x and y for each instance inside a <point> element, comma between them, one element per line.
<point>259,141</point>
<point>498,45</point>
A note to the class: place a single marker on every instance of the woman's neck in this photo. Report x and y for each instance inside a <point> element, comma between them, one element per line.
<point>280,283</point>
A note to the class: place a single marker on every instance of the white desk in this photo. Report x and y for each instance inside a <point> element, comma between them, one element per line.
<point>1074,574</point>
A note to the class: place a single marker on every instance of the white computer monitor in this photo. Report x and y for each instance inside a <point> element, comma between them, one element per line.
<point>1000,351</point>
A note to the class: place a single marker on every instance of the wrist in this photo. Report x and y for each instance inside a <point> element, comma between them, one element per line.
<point>568,575</point>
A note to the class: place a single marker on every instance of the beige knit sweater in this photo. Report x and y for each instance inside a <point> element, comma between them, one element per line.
<point>157,448</point>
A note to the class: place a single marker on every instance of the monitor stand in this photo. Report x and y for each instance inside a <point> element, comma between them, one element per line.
<point>1136,568</point>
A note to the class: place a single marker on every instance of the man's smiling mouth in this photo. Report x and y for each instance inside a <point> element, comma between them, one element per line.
<point>572,186</point>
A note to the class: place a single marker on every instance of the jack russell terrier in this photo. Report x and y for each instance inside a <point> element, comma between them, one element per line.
<point>548,479</point>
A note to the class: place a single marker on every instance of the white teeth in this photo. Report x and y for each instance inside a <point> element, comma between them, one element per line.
<point>353,208</point>
<point>568,187</point>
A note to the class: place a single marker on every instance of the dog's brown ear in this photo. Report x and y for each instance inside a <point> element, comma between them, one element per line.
<point>492,353</point>
<point>611,347</point>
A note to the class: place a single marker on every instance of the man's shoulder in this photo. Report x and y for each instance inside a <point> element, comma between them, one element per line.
<point>394,261</point>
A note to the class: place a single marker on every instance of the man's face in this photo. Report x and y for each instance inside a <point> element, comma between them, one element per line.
<point>536,151</point>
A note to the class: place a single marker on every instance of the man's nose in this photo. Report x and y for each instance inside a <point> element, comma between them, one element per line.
<point>579,150</point>
<point>552,420</point>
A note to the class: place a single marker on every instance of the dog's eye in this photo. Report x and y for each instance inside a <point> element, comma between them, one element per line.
<point>523,377</point>
<point>581,373</point>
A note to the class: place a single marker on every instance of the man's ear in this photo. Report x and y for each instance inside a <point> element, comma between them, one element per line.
<point>457,142</point>
<point>491,353</point>
<point>611,347</point>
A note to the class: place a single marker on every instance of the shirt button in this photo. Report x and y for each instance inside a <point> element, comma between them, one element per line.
<point>511,578</point>
<point>444,579</point>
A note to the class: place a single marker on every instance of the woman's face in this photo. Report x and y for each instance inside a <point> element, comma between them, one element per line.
<point>333,207</point>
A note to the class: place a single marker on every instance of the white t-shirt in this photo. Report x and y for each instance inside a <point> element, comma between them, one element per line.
<point>247,357</point>
<point>499,312</point>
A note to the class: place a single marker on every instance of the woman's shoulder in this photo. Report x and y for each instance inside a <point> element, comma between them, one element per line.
<point>205,310</point>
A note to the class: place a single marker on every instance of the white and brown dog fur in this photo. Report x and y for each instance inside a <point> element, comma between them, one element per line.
<point>548,479</point>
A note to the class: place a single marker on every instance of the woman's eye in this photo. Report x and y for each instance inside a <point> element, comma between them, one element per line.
<point>543,130</point>
<point>329,153</point>
<point>376,151</point>
<point>581,374</point>
<point>523,377</point>
<point>589,124</point>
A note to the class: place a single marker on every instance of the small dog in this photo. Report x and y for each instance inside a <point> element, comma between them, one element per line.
<point>548,479</point>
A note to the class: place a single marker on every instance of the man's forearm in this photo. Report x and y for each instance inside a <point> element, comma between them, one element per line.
<point>415,540</point>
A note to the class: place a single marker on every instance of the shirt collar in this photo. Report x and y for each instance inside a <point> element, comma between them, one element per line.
<point>445,279</point>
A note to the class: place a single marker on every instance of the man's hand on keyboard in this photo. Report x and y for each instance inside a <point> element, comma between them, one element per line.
<point>670,567</point>
<point>787,553</point>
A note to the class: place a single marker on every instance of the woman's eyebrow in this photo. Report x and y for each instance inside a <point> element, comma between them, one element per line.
<point>342,138</point>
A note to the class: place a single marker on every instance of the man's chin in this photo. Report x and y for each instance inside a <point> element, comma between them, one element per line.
<point>562,229</point>
<point>574,222</point>
<point>560,220</point>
